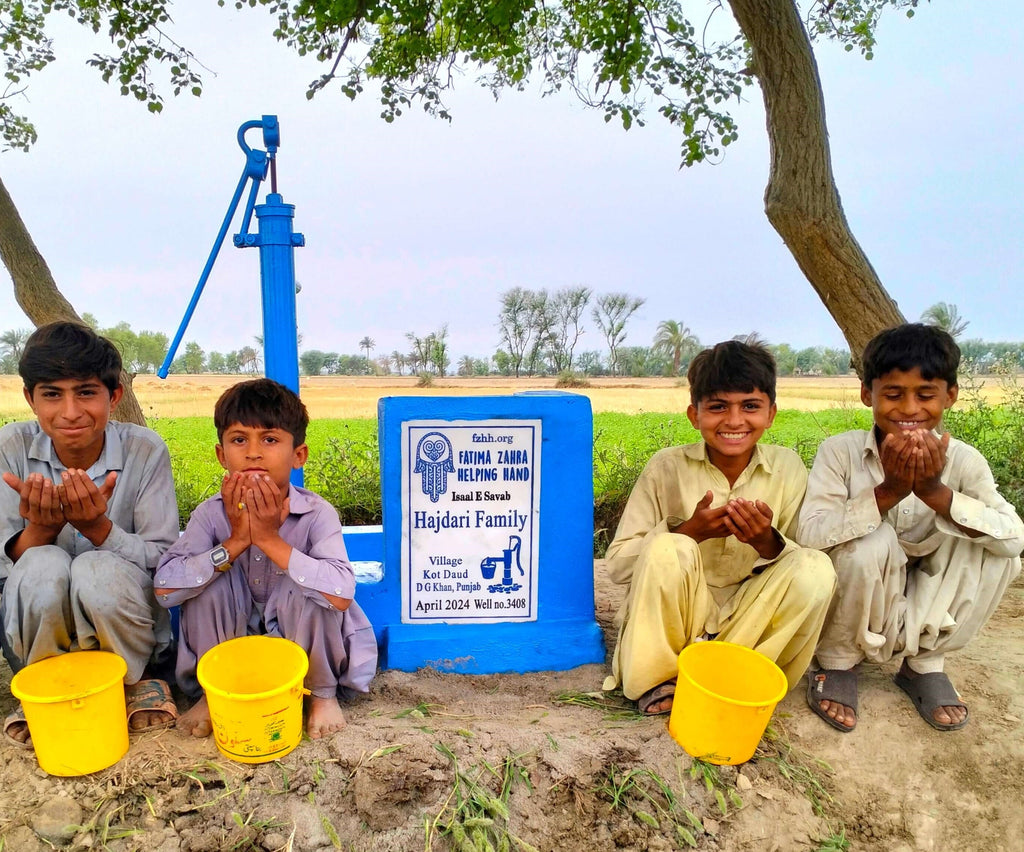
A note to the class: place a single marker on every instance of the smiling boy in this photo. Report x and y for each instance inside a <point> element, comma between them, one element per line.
<point>923,544</point>
<point>705,540</point>
<point>264,556</point>
<point>86,510</point>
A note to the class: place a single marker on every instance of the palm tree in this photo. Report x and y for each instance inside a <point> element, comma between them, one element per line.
<point>674,340</point>
<point>367,343</point>
<point>947,317</point>
<point>398,359</point>
<point>12,342</point>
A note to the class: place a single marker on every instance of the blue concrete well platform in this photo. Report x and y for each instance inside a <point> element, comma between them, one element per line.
<point>484,562</point>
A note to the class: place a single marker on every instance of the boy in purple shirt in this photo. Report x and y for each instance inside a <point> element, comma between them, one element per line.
<point>266,557</point>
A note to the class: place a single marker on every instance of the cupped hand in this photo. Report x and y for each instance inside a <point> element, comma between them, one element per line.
<point>40,503</point>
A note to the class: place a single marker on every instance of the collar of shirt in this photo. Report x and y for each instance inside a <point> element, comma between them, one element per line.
<point>699,452</point>
<point>111,456</point>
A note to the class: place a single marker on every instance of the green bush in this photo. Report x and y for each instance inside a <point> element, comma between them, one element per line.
<point>996,431</point>
<point>344,460</point>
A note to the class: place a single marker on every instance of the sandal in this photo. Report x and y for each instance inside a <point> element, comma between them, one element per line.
<point>147,696</point>
<point>929,692</point>
<point>653,696</point>
<point>837,685</point>
<point>16,717</point>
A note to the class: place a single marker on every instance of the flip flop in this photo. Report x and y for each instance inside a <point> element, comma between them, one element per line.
<point>929,692</point>
<point>653,696</point>
<point>148,695</point>
<point>16,717</point>
<point>838,685</point>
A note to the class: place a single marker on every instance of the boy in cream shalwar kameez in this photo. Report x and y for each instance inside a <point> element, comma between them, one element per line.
<point>923,543</point>
<point>705,542</point>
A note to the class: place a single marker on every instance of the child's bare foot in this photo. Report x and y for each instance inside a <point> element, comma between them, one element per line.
<point>196,720</point>
<point>325,717</point>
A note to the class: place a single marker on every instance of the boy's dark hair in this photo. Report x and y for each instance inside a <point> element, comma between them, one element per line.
<point>69,350</point>
<point>927,347</point>
<point>262,403</point>
<point>732,367</point>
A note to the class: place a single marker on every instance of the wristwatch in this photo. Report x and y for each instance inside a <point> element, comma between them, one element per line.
<point>220,558</point>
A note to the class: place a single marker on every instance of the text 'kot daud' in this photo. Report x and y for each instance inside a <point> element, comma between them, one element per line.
<point>499,465</point>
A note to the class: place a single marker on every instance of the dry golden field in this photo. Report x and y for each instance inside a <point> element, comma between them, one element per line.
<point>356,396</point>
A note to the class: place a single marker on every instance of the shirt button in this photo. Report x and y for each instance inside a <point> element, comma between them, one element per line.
<point>871,527</point>
<point>259,558</point>
<point>831,541</point>
<point>163,582</point>
<point>256,582</point>
<point>199,581</point>
<point>301,579</point>
<point>337,591</point>
<point>963,520</point>
<point>906,511</point>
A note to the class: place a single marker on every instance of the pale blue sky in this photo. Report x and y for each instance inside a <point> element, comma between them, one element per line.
<point>421,222</point>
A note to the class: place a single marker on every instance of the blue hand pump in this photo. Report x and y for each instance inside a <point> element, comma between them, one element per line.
<point>276,242</point>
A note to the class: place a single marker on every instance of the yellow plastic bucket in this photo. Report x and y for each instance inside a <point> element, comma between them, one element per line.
<point>725,695</point>
<point>254,688</point>
<point>75,709</point>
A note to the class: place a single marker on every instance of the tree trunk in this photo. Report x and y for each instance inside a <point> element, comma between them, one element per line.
<point>37,293</point>
<point>801,199</point>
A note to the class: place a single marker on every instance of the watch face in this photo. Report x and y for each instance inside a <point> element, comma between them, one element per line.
<point>219,556</point>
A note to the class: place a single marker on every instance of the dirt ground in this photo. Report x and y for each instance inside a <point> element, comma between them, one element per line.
<point>539,772</point>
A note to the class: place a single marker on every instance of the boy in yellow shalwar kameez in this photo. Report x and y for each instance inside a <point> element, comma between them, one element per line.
<point>705,542</point>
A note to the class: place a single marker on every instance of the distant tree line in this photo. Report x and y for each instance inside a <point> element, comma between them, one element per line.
<point>539,334</point>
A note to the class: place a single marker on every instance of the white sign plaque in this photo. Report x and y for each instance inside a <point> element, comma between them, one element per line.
<point>471,511</point>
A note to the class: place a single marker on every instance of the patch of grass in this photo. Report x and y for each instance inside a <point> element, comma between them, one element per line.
<point>344,463</point>
<point>702,770</point>
<point>803,770</point>
<point>996,431</point>
<point>420,711</point>
<point>345,471</point>
<point>833,843</point>
<point>651,801</point>
<point>616,707</point>
<point>473,816</point>
<point>811,776</point>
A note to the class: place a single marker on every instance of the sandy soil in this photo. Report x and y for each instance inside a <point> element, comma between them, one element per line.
<point>388,781</point>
